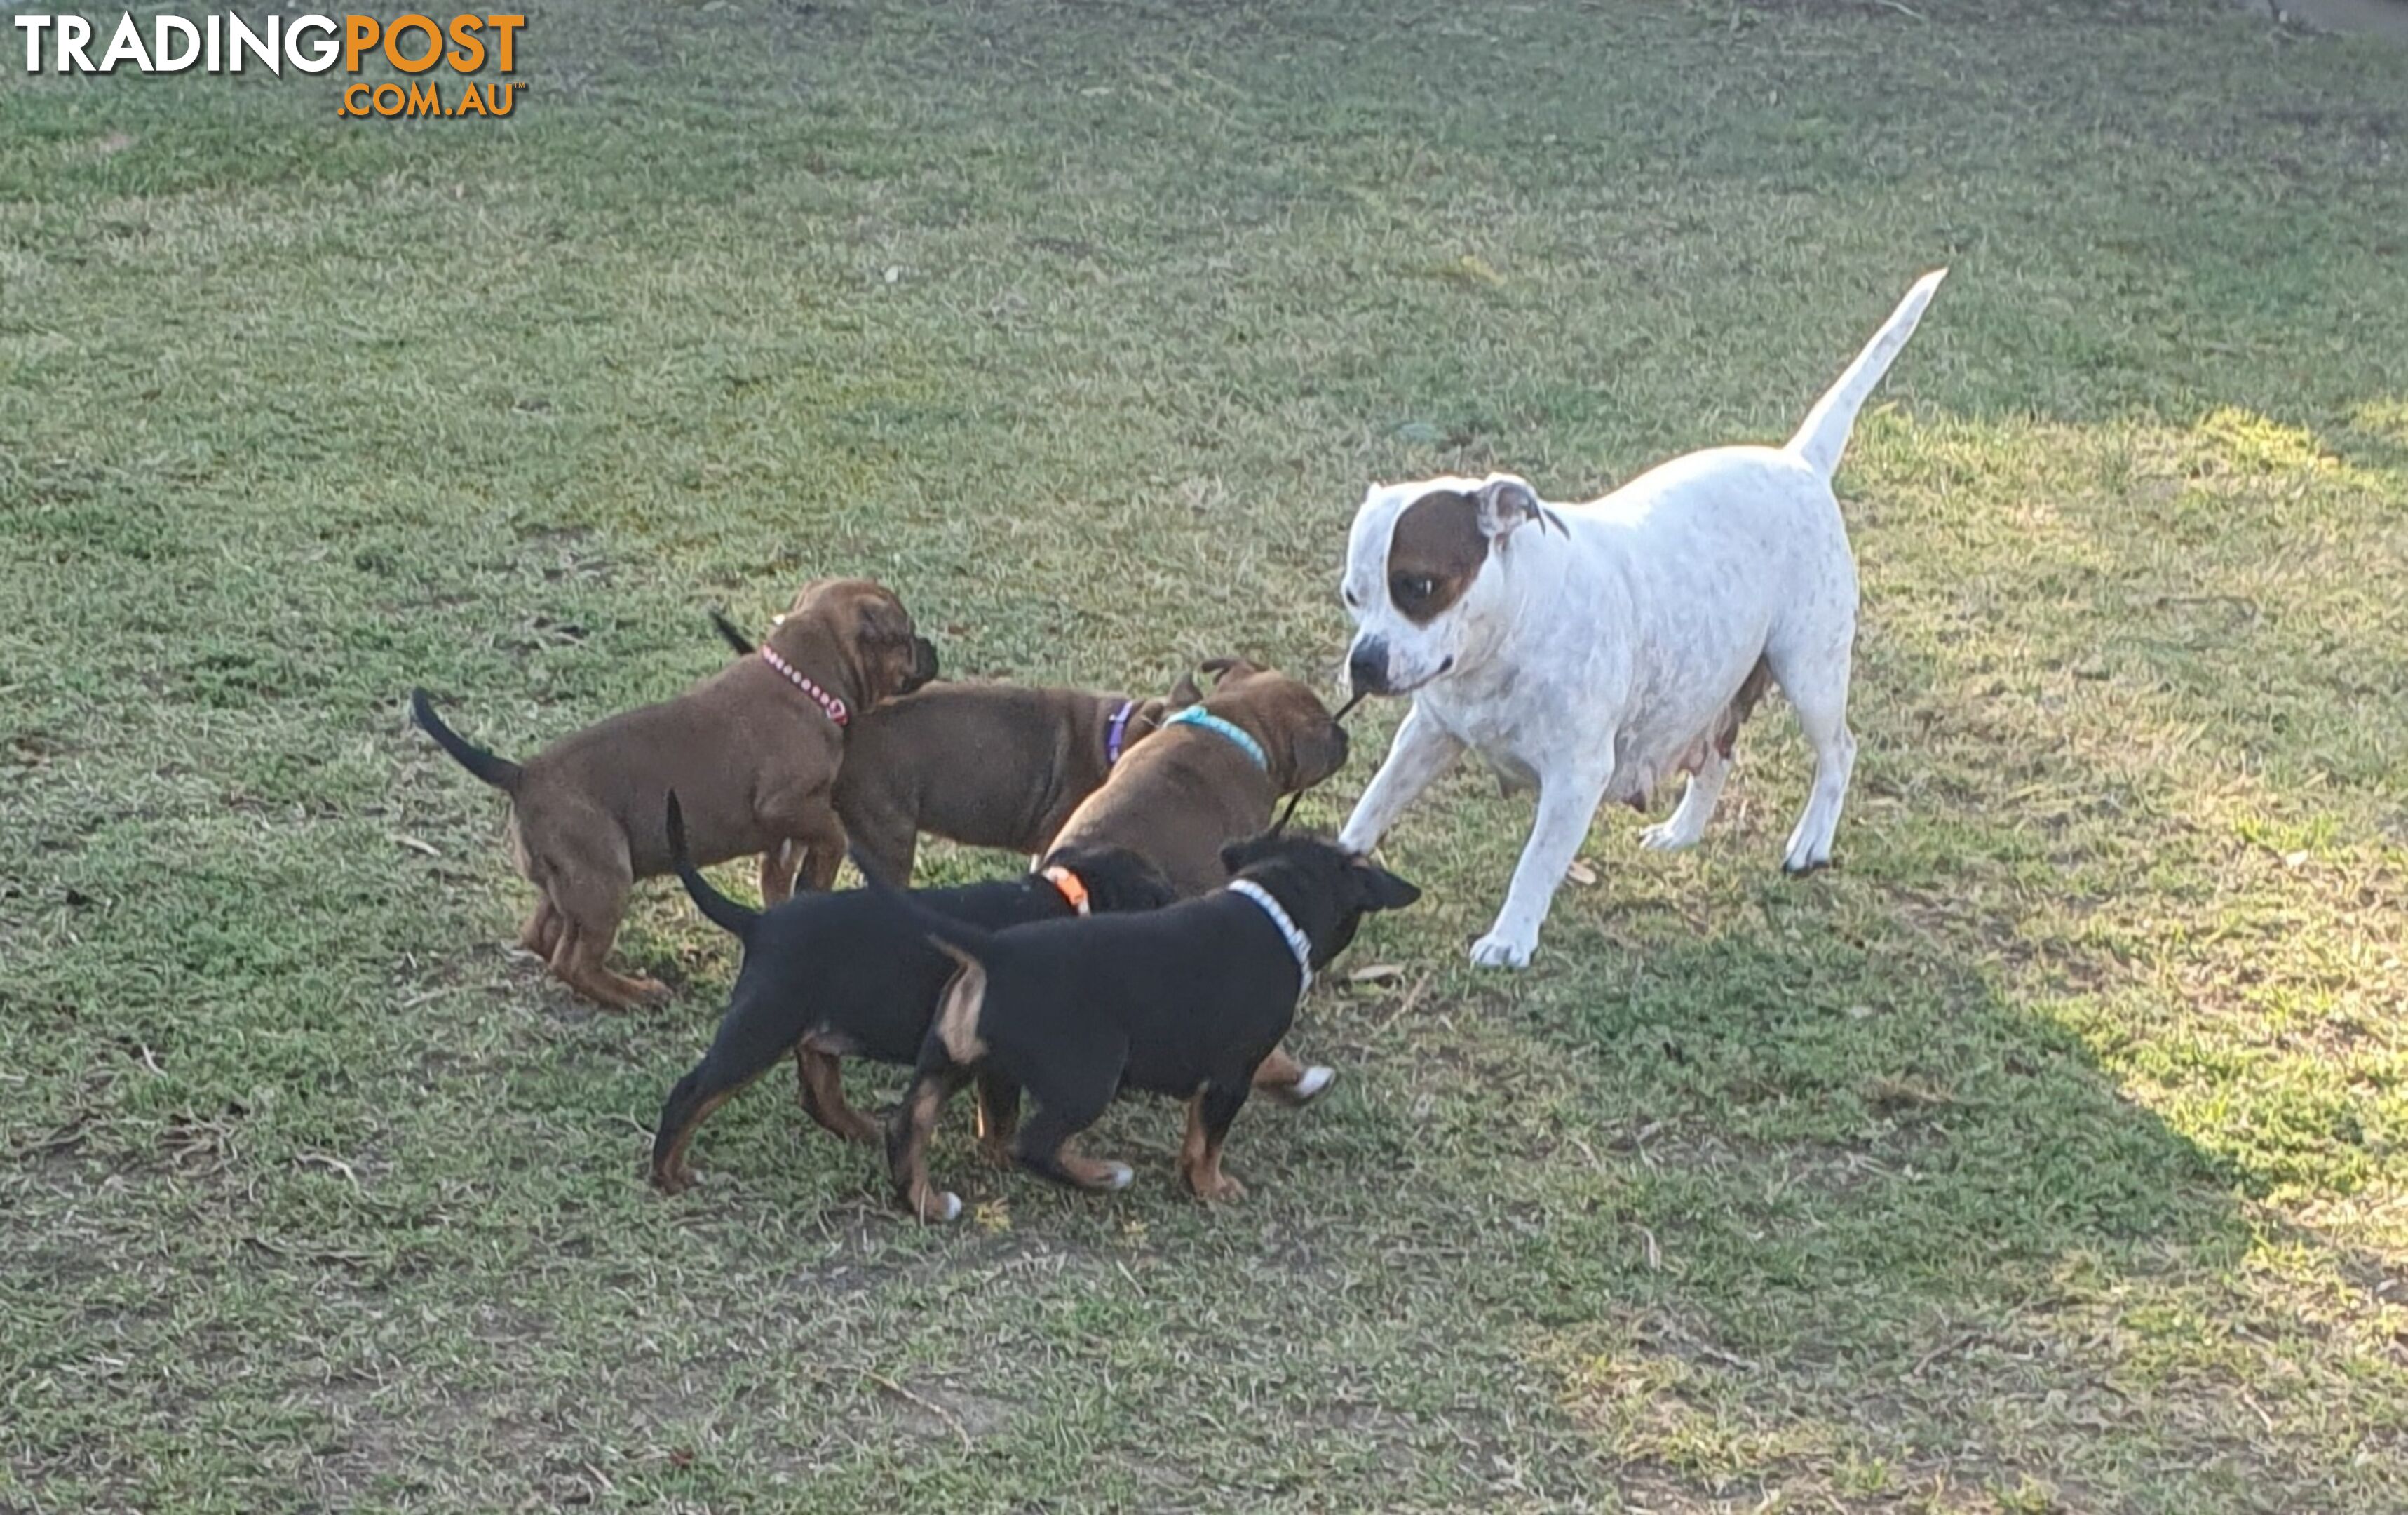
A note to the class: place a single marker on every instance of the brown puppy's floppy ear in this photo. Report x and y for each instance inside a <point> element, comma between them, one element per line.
<point>888,653</point>
<point>1151,713</point>
<point>810,590</point>
<point>1383,889</point>
<point>1221,668</point>
<point>884,621</point>
<point>1305,744</point>
<point>1184,693</point>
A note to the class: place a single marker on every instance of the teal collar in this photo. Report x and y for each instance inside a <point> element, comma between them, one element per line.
<point>1228,730</point>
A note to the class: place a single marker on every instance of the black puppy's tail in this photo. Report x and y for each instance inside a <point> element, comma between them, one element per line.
<point>959,940</point>
<point>716,907</point>
<point>501,773</point>
<point>728,634</point>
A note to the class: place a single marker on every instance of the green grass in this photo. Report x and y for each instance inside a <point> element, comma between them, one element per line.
<point>2052,1153</point>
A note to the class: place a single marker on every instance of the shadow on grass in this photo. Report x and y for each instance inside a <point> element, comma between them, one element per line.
<point>1871,1211</point>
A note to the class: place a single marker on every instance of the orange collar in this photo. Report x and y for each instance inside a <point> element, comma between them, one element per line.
<point>1073,888</point>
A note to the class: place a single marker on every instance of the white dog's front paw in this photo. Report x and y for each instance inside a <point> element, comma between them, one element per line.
<point>1498,950</point>
<point>1668,836</point>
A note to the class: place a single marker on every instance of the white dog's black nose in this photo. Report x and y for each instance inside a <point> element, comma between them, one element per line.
<point>1366,666</point>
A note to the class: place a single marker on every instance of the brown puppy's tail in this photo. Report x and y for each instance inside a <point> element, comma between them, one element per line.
<point>728,634</point>
<point>501,773</point>
<point>717,908</point>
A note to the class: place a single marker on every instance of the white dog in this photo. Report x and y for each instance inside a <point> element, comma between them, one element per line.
<point>1595,650</point>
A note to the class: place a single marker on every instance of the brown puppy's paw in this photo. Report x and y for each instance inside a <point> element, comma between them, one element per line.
<point>616,991</point>
<point>1215,1187</point>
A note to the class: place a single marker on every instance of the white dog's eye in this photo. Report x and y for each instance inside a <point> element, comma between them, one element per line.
<point>1411,588</point>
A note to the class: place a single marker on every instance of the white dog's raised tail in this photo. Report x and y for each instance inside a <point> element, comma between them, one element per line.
<point>1825,435</point>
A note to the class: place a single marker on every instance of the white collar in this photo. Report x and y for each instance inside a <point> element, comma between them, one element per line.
<point>1298,943</point>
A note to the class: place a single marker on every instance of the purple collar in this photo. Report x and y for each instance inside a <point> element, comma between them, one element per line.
<point>1116,734</point>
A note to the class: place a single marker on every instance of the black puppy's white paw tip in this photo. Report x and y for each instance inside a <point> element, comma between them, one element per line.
<point>1117,1175</point>
<point>948,1207</point>
<point>1317,1077</point>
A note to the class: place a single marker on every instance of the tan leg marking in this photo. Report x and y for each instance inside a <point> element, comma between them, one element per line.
<point>1291,1082</point>
<point>1091,1173</point>
<point>820,1081</point>
<point>1191,1144</point>
<point>994,1131</point>
<point>922,1198</point>
<point>1206,1177</point>
<point>1279,1071</point>
<point>672,1175</point>
<point>957,1011</point>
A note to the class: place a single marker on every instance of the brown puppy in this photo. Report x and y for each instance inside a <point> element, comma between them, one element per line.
<point>753,751</point>
<point>1191,790</point>
<point>987,765</point>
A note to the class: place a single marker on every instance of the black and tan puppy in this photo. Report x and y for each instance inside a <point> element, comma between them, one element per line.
<point>754,749</point>
<point>1184,1001</point>
<point>828,976</point>
<point>987,765</point>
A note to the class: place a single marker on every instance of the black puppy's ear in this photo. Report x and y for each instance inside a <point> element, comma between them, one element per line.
<point>1147,888</point>
<point>1116,878</point>
<point>1237,855</point>
<point>1385,889</point>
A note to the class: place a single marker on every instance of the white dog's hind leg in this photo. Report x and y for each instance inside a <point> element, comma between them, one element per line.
<point>1567,802</point>
<point>1818,691</point>
<point>1688,822</point>
<point>1421,752</point>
